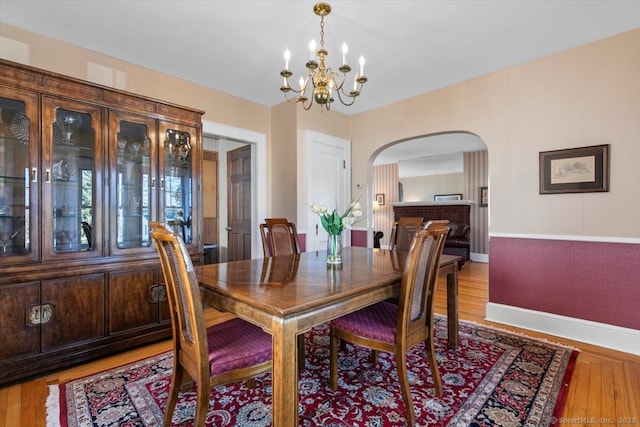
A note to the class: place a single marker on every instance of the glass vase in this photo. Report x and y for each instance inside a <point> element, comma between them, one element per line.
<point>334,249</point>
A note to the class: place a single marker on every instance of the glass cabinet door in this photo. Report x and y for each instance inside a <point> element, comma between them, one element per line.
<point>178,201</point>
<point>72,196</point>
<point>18,176</point>
<point>135,182</point>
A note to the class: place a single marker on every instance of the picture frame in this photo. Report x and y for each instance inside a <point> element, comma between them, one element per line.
<point>483,197</point>
<point>447,197</point>
<point>575,170</point>
<point>380,199</point>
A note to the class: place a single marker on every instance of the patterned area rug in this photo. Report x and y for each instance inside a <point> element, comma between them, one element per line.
<point>493,378</point>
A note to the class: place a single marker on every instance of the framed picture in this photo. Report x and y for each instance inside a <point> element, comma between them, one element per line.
<point>380,199</point>
<point>575,170</point>
<point>484,197</point>
<point>447,197</point>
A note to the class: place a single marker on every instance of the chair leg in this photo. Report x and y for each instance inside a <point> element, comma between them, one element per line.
<point>202,403</point>
<point>333,362</point>
<point>433,364</point>
<point>401,364</point>
<point>176,382</point>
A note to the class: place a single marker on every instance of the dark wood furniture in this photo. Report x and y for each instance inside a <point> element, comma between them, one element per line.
<point>458,214</point>
<point>443,210</point>
<point>239,351</point>
<point>315,295</point>
<point>84,169</point>
<point>458,241</point>
<point>397,328</point>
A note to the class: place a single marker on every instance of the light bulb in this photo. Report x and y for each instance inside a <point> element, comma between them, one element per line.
<point>287,56</point>
<point>312,48</point>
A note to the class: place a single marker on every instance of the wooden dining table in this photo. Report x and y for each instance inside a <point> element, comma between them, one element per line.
<point>288,295</point>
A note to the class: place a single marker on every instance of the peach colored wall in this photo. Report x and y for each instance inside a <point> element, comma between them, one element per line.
<point>585,96</point>
<point>282,158</point>
<point>327,122</point>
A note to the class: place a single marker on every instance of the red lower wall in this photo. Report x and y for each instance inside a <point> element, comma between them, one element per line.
<point>359,238</point>
<point>585,280</point>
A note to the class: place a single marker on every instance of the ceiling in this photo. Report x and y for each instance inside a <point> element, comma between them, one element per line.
<point>411,46</point>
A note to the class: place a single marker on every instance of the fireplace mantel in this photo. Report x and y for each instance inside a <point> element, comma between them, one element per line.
<point>449,202</point>
<point>454,210</point>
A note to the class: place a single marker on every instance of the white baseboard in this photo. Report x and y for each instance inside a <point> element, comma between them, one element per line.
<point>476,257</point>
<point>600,334</point>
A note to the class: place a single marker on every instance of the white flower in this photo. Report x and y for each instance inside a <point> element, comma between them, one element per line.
<point>347,221</point>
<point>332,221</point>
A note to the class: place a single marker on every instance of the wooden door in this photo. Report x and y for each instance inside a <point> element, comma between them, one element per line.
<point>18,338</point>
<point>133,300</point>
<point>77,310</point>
<point>239,203</point>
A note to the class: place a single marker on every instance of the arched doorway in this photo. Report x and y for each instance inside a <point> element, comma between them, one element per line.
<point>419,168</point>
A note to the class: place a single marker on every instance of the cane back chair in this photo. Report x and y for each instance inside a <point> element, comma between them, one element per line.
<point>396,328</point>
<point>227,352</point>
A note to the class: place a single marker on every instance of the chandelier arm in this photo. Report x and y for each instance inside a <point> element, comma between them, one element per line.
<point>348,104</point>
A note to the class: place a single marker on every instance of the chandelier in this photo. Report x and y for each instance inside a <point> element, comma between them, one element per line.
<point>321,83</point>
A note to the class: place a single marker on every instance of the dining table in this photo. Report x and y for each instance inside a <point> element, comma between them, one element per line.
<point>287,295</point>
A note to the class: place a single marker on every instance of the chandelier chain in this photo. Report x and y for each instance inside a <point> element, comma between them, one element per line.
<point>322,33</point>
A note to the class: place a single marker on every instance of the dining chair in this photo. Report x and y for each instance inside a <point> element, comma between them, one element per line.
<point>279,237</point>
<point>396,328</point>
<point>402,232</point>
<point>227,352</point>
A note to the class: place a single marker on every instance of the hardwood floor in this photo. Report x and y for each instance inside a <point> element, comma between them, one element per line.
<point>604,391</point>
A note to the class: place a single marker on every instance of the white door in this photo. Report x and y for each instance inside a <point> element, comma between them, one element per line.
<point>328,183</point>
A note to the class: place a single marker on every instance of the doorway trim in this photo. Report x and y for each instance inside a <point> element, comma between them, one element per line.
<point>258,142</point>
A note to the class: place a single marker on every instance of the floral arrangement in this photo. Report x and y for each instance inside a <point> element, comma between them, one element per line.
<point>335,223</point>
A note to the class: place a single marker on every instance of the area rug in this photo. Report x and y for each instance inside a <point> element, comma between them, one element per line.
<point>493,378</point>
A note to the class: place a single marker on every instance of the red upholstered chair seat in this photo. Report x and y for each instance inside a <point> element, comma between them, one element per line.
<point>378,321</point>
<point>228,353</point>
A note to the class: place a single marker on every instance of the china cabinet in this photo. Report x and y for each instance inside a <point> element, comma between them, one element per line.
<point>83,170</point>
